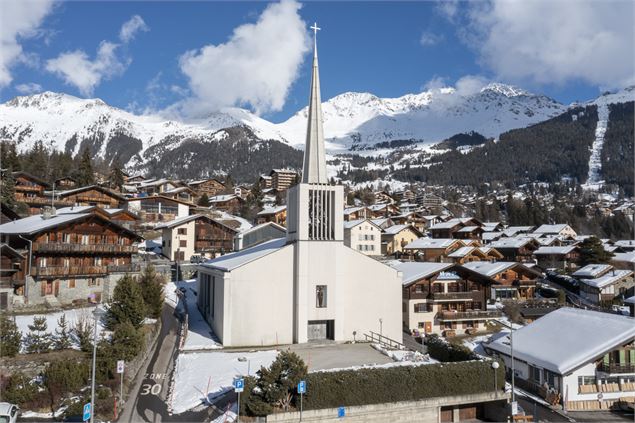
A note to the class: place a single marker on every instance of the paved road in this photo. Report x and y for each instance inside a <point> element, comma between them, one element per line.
<point>148,398</point>
<point>540,412</point>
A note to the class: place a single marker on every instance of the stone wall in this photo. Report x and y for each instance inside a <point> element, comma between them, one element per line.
<point>424,411</point>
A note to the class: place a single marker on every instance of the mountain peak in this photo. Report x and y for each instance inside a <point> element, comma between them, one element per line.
<point>505,89</point>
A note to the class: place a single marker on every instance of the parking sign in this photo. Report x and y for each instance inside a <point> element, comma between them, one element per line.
<point>341,412</point>
<point>86,413</point>
<point>302,387</point>
<point>239,385</point>
<point>120,366</point>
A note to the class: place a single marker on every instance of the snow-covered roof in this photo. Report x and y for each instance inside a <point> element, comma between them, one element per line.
<point>624,257</point>
<point>489,269</point>
<point>222,198</point>
<point>461,252</point>
<point>554,250</point>
<point>511,242</point>
<point>74,209</point>
<point>36,223</point>
<point>431,243</point>
<point>625,243</point>
<point>232,261</point>
<point>468,229</point>
<point>607,279</point>
<point>178,221</point>
<point>447,225</point>
<point>415,270</point>
<point>551,229</point>
<point>350,210</point>
<point>513,230</point>
<point>395,229</point>
<point>243,224</point>
<point>491,236</point>
<point>271,210</point>
<point>630,300</point>
<point>560,341</point>
<point>592,270</point>
<point>352,223</point>
<point>282,229</point>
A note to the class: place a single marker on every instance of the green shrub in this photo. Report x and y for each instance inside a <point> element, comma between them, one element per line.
<point>10,337</point>
<point>18,389</point>
<point>441,350</point>
<point>63,377</point>
<point>403,383</point>
<point>152,291</point>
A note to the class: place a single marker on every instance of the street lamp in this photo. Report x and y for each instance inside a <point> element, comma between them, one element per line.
<point>97,313</point>
<point>381,327</point>
<point>495,366</point>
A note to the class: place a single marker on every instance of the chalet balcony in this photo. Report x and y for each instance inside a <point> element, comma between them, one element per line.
<point>29,188</point>
<point>458,296</point>
<point>414,295</point>
<point>449,316</point>
<point>616,367</point>
<point>58,247</point>
<point>44,201</point>
<point>124,268</point>
<point>65,271</point>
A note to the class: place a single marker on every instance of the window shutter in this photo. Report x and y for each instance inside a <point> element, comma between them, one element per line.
<point>622,356</point>
<point>606,359</point>
<point>43,288</point>
<point>631,354</point>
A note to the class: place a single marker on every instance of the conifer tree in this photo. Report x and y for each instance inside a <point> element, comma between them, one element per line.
<point>126,341</point>
<point>152,291</point>
<point>38,340</point>
<point>62,339</point>
<point>127,304</point>
<point>116,177</point>
<point>10,337</point>
<point>592,252</point>
<point>85,175</point>
<point>204,201</point>
<point>83,331</point>
<point>7,189</point>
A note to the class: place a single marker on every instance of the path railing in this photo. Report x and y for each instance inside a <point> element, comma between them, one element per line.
<point>384,340</point>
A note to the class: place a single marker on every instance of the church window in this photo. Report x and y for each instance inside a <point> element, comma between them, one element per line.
<point>320,296</point>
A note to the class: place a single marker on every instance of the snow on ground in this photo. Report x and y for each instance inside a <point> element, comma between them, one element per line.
<point>36,415</point>
<point>199,334</point>
<point>594,181</point>
<point>476,344</point>
<point>73,316</point>
<point>228,416</point>
<point>203,376</point>
<point>405,356</point>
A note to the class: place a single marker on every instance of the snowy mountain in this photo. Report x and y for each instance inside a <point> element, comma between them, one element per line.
<point>354,120</point>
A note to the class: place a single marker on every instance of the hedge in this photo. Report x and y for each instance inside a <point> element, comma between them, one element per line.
<point>399,383</point>
<point>444,351</point>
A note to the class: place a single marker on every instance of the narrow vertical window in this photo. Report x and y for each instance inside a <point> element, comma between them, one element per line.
<point>320,296</point>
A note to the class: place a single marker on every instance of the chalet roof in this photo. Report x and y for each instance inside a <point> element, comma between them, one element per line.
<point>491,236</point>
<point>461,252</point>
<point>202,181</point>
<point>607,279</point>
<point>624,257</point>
<point>155,182</point>
<point>554,250</point>
<point>551,229</point>
<point>468,229</point>
<point>232,261</point>
<point>545,344</point>
<point>513,230</point>
<point>395,229</point>
<point>431,243</point>
<point>176,190</point>
<point>282,171</point>
<point>381,221</point>
<point>160,197</point>
<point>178,221</point>
<point>489,269</point>
<point>352,223</point>
<point>223,198</point>
<point>31,177</point>
<point>271,210</point>
<point>105,190</point>
<point>274,225</point>
<point>625,243</point>
<point>511,242</point>
<point>8,212</point>
<point>447,224</point>
<point>8,250</point>
<point>592,270</point>
<point>415,270</point>
<point>350,210</point>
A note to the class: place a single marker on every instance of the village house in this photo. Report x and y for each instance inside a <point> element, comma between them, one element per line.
<point>364,236</point>
<point>433,250</point>
<point>71,256</point>
<point>156,186</point>
<point>230,203</point>
<point>282,179</point>
<point>276,214</point>
<point>92,195</point>
<point>382,210</point>
<point>565,258</point>
<point>625,244</point>
<point>519,249</point>
<point>587,366</point>
<point>431,220</point>
<point>383,222</point>
<point>471,253</point>
<point>602,283</point>
<point>356,213</point>
<point>444,299</point>
<point>12,265</point>
<point>65,183</point>
<point>258,234</point>
<point>265,181</point>
<point>511,280</point>
<point>512,231</point>
<point>196,234</point>
<point>30,190</point>
<point>186,194</point>
<point>562,230</point>
<point>157,208</point>
<point>624,260</point>
<point>449,228</point>
<point>209,187</point>
<point>396,237</point>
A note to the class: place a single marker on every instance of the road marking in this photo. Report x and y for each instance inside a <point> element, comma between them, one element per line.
<point>148,389</point>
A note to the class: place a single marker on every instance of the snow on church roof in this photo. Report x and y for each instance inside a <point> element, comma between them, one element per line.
<point>560,340</point>
<point>232,261</point>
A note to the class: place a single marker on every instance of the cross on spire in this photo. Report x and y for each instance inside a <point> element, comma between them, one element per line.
<point>315,29</point>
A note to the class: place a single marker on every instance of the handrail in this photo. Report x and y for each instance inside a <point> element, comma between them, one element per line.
<point>384,340</point>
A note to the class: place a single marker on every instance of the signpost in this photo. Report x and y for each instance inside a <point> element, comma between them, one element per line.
<point>120,367</point>
<point>239,386</point>
<point>301,391</point>
<point>341,412</point>
<point>87,412</point>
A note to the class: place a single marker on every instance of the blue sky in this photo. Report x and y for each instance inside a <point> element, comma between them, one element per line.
<point>387,48</point>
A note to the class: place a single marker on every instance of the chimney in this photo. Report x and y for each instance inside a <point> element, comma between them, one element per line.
<point>46,213</point>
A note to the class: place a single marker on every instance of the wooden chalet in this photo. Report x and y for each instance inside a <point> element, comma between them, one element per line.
<point>382,210</point>
<point>92,195</point>
<point>519,249</point>
<point>230,203</point>
<point>65,183</point>
<point>276,215</point>
<point>436,250</point>
<point>265,181</point>
<point>209,187</point>
<point>356,213</point>
<point>12,264</point>
<point>30,190</point>
<point>74,256</point>
<point>459,228</point>
<point>469,254</point>
<point>566,257</point>
<point>157,208</point>
<point>510,280</point>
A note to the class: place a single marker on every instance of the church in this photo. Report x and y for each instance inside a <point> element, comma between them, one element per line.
<point>308,286</point>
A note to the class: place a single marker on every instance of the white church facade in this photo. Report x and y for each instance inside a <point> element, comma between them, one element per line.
<point>308,286</point>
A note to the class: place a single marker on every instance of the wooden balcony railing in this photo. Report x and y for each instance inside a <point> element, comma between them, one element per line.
<point>69,270</point>
<point>124,268</point>
<point>617,367</point>
<point>58,247</point>
<point>44,201</point>
<point>468,315</point>
<point>30,188</point>
<point>457,296</point>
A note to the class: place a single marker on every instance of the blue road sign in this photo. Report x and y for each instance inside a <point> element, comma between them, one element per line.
<point>86,414</point>
<point>239,385</point>
<point>341,412</point>
<point>302,387</point>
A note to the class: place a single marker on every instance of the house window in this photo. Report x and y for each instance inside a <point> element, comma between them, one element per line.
<point>550,378</point>
<point>421,325</point>
<point>320,296</point>
<point>586,380</point>
<point>85,239</point>
<point>71,283</point>
<point>421,308</point>
<point>66,238</point>
<point>447,325</point>
<point>183,243</point>
<point>418,289</point>
<point>92,282</point>
<point>534,374</point>
<point>182,231</point>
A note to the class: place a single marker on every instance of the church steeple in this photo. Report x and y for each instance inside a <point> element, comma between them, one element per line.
<point>314,169</point>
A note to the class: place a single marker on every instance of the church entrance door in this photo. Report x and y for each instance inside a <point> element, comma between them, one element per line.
<point>319,330</point>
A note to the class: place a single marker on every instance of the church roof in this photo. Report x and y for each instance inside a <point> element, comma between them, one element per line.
<point>232,261</point>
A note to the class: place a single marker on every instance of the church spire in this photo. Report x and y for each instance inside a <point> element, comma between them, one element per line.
<point>314,169</point>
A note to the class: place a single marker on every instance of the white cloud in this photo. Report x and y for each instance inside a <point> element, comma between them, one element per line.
<point>28,88</point>
<point>255,67</point>
<point>77,69</point>
<point>448,8</point>
<point>555,42</point>
<point>130,28</point>
<point>429,38</point>
<point>19,20</point>
<point>446,95</point>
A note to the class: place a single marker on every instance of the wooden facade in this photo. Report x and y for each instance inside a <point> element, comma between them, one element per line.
<point>227,203</point>
<point>30,190</point>
<point>282,179</point>
<point>213,237</point>
<point>93,195</point>
<point>12,265</point>
<point>278,215</point>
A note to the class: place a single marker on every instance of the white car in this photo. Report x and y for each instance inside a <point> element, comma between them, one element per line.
<point>8,412</point>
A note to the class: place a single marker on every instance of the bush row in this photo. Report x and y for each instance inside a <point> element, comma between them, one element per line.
<point>441,350</point>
